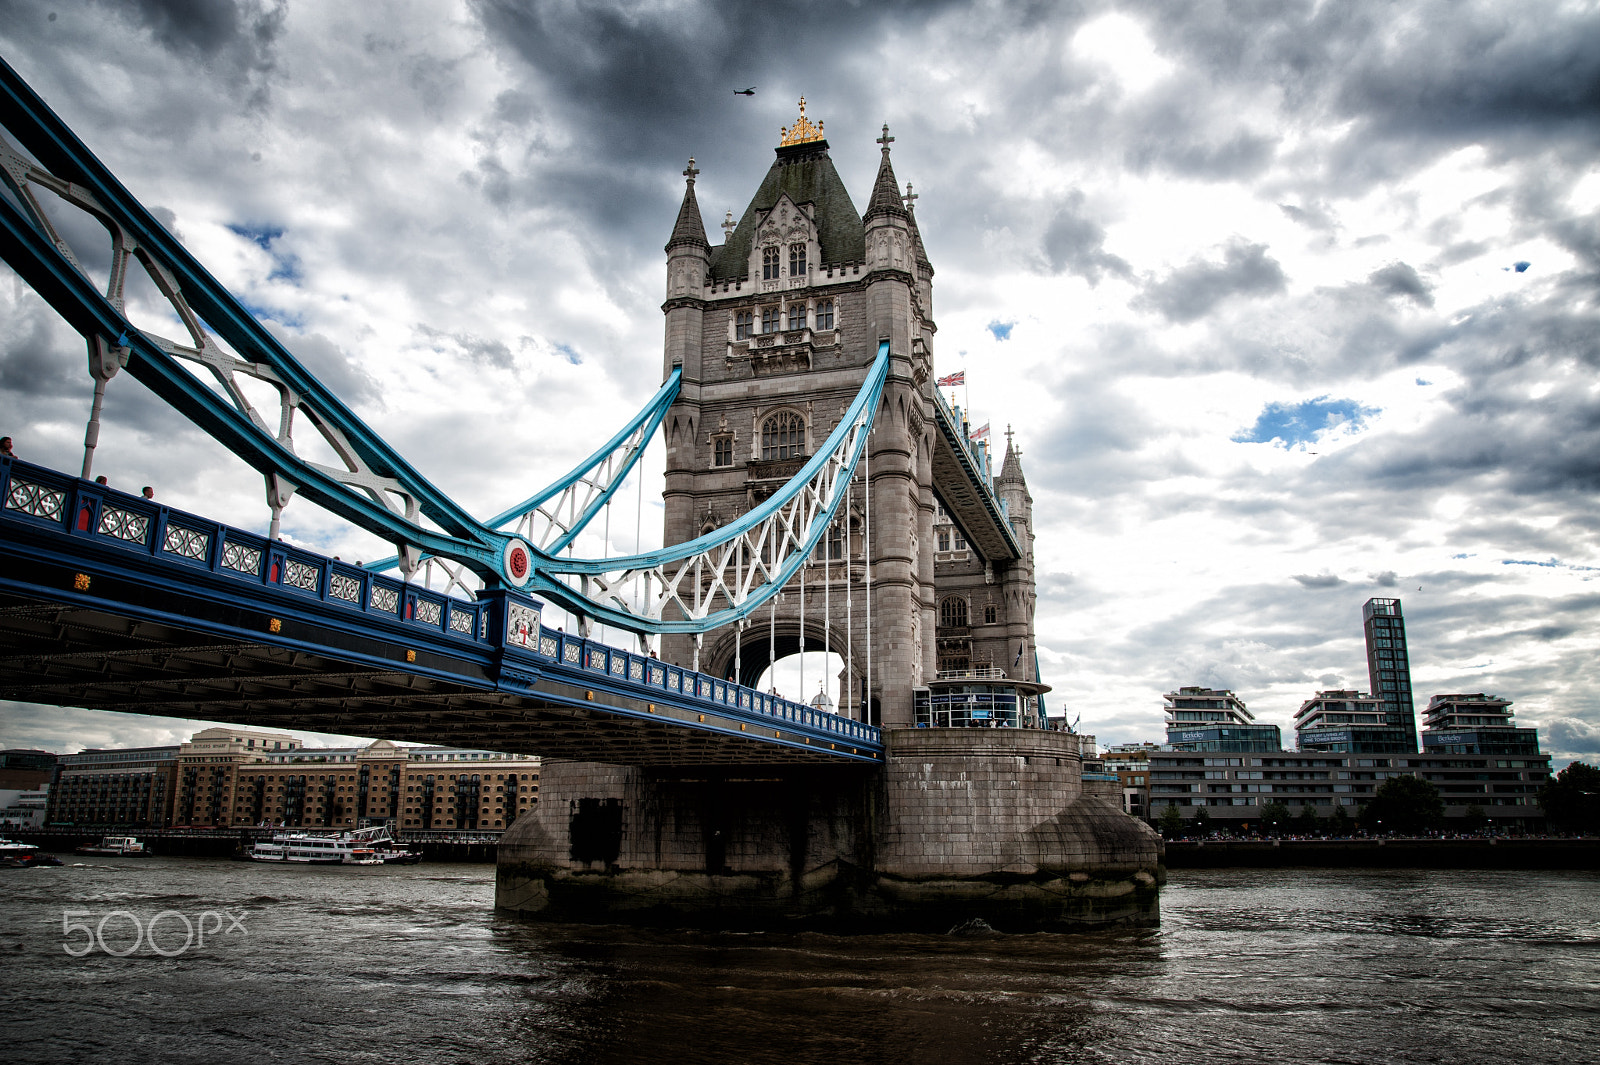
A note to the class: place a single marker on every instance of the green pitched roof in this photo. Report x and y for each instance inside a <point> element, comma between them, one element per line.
<point>806,174</point>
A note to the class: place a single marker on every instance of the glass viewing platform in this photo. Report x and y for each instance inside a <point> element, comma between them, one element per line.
<point>979,698</point>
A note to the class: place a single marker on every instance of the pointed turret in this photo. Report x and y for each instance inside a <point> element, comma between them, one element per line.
<point>689,228</point>
<point>885,190</point>
<point>1011,468</point>
<point>910,199</point>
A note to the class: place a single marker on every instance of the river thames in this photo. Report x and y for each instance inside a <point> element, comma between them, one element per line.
<point>411,964</point>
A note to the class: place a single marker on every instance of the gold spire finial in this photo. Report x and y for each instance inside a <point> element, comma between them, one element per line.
<point>802,132</point>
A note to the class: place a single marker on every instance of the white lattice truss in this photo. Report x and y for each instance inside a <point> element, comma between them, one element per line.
<point>732,570</point>
<point>24,176</point>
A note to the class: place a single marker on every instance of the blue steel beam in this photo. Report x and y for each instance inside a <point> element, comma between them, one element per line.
<point>645,423</point>
<point>71,544</point>
<point>54,277</point>
<point>488,552</point>
<point>843,449</point>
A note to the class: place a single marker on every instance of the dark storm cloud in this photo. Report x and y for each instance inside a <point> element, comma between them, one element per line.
<point>1528,446</point>
<point>1192,291</point>
<point>483,352</point>
<point>37,359</point>
<point>1313,216</point>
<point>1410,82</point>
<point>1571,739</point>
<point>236,40</point>
<point>639,90</point>
<point>333,367</point>
<point>1400,279</point>
<point>1075,243</point>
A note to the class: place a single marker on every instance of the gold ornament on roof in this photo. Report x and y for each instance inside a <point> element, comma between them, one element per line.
<point>802,132</point>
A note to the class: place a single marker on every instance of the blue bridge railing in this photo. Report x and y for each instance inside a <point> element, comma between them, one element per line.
<point>296,578</point>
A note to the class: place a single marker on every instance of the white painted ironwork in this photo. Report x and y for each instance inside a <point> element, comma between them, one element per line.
<point>300,575</point>
<point>35,499</point>
<point>727,573</point>
<point>240,558</point>
<point>25,177</point>
<point>123,524</point>
<point>186,543</point>
<point>343,586</point>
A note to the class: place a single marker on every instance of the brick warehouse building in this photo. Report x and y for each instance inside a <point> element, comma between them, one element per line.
<point>234,777</point>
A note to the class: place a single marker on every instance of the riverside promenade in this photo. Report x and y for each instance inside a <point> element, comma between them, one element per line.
<point>1492,852</point>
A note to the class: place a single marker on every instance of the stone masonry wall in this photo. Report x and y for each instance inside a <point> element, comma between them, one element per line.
<point>960,824</point>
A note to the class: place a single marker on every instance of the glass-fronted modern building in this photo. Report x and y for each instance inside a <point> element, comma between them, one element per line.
<point>1348,722</point>
<point>1210,719</point>
<point>1474,724</point>
<point>1389,667</point>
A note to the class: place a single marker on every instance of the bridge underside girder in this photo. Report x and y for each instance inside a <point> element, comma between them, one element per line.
<point>63,654</point>
<point>966,494</point>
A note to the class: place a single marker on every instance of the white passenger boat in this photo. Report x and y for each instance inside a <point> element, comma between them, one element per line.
<point>116,847</point>
<point>359,847</point>
<point>16,855</point>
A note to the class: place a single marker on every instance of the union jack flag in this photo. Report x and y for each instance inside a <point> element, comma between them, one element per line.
<point>957,378</point>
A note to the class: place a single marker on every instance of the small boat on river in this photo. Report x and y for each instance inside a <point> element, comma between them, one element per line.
<point>14,855</point>
<point>363,846</point>
<point>115,847</point>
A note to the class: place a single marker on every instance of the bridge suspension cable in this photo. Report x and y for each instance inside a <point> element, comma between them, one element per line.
<point>726,574</point>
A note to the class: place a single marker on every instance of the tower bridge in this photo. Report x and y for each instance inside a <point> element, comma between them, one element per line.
<point>819,495</point>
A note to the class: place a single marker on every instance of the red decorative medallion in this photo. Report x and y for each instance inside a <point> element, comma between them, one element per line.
<point>518,562</point>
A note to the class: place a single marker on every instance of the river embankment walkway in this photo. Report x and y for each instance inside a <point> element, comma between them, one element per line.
<point>1496,852</point>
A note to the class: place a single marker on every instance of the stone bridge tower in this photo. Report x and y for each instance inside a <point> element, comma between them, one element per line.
<point>775,330</point>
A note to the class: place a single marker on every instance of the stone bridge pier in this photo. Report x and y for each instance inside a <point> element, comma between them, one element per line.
<point>958,824</point>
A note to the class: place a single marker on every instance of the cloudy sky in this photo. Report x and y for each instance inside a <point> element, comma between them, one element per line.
<point>1290,304</point>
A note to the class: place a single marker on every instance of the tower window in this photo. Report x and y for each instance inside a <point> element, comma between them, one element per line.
<point>797,260</point>
<point>990,614</point>
<point>722,451</point>
<point>824,315</point>
<point>835,546</point>
<point>771,319</point>
<point>944,539</point>
<point>742,323</point>
<point>797,316</point>
<point>769,263</point>
<point>783,436</point>
<point>953,612</point>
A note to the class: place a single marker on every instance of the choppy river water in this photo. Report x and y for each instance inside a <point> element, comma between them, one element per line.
<point>411,964</point>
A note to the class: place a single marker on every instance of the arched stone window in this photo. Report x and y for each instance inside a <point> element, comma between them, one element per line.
<point>824,316</point>
<point>797,260</point>
<point>835,545</point>
<point>990,614</point>
<point>783,436</point>
<point>953,612</point>
<point>770,263</point>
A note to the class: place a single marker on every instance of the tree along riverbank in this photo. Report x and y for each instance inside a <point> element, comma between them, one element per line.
<point>1491,853</point>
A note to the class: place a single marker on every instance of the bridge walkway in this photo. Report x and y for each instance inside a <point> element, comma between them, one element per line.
<point>115,602</point>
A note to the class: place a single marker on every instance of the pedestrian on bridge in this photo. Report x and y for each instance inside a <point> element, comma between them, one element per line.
<point>5,447</point>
